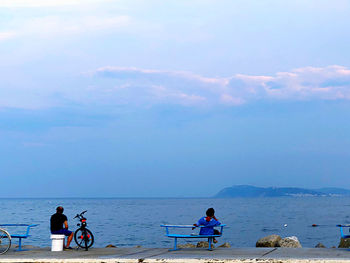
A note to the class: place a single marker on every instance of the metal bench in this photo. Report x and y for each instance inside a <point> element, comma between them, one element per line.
<point>25,233</point>
<point>342,231</point>
<point>176,236</point>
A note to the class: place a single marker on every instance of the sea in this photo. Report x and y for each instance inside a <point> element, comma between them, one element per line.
<point>136,222</point>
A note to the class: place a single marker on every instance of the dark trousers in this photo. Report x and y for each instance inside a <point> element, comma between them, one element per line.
<point>216,232</point>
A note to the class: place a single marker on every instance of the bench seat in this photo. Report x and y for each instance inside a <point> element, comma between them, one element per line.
<point>192,236</point>
<point>176,236</point>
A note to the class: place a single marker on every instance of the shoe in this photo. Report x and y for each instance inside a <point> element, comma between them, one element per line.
<point>67,248</point>
<point>215,241</point>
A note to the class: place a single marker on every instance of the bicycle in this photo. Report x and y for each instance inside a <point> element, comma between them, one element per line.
<point>5,241</point>
<point>83,236</point>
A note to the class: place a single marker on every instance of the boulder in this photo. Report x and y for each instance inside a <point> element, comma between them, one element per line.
<point>110,245</point>
<point>268,241</point>
<point>204,244</point>
<point>289,242</point>
<point>320,245</point>
<point>344,243</point>
<point>226,244</point>
<point>187,245</point>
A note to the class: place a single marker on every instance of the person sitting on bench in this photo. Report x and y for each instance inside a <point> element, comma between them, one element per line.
<point>209,222</point>
<point>57,222</point>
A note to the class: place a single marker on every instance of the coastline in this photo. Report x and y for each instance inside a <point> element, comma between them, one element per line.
<point>156,255</point>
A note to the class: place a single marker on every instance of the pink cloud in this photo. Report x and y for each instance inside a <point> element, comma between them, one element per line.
<point>308,83</point>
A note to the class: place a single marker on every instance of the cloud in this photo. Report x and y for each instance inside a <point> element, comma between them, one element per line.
<point>134,73</point>
<point>7,35</point>
<point>56,26</point>
<point>41,3</point>
<point>122,86</point>
<point>229,100</point>
<point>310,83</point>
<point>157,86</point>
<point>53,25</point>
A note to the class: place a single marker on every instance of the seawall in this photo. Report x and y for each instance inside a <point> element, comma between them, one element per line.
<point>162,255</point>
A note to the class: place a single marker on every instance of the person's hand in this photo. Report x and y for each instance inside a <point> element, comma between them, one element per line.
<point>195,225</point>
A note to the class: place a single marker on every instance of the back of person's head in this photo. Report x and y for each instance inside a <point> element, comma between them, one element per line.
<point>59,210</point>
<point>210,212</point>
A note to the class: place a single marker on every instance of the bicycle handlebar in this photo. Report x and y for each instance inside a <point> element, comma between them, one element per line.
<point>81,214</point>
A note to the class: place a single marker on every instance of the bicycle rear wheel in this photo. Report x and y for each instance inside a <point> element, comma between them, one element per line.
<point>84,238</point>
<point>5,241</point>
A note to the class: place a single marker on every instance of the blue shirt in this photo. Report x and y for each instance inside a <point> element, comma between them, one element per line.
<point>209,229</point>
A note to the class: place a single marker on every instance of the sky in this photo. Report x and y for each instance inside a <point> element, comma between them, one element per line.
<point>161,98</point>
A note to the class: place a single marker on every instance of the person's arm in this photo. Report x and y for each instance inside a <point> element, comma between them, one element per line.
<point>65,224</point>
<point>199,223</point>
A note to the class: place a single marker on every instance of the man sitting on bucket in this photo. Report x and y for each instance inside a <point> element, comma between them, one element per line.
<point>59,226</point>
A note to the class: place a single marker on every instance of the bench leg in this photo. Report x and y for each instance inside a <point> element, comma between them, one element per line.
<point>175,245</point>
<point>210,240</point>
<point>20,245</point>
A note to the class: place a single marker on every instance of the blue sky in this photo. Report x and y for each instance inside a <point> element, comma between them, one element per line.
<point>172,98</point>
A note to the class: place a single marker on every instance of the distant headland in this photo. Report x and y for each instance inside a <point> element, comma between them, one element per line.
<point>253,191</point>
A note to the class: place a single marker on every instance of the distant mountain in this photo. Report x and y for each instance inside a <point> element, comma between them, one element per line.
<point>334,191</point>
<point>253,191</point>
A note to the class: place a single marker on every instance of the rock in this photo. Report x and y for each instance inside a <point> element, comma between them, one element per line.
<point>225,245</point>
<point>320,245</point>
<point>138,246</point>
<point>268,241</point>
<point>187,245</point>
<point>204,244</point>
<point>289,242</point>
<point>344,243</point>
<point>110,245</point>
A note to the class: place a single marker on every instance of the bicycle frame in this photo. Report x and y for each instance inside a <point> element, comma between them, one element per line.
<point>82,233</point>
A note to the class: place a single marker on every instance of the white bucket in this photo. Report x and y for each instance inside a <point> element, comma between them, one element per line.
<point>57,242</point>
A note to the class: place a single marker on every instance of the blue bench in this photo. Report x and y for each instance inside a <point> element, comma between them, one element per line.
<point>176,236</point>
<point>20,236</point>
<point>342,231</point>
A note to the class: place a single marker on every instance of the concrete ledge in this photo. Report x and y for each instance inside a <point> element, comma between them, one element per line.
<point>162,255</point>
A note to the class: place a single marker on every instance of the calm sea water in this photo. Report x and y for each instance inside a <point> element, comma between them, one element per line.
<point>131,222</point>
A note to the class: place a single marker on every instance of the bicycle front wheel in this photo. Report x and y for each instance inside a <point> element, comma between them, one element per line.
<point>5,241</point>
<point>84,238</point>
